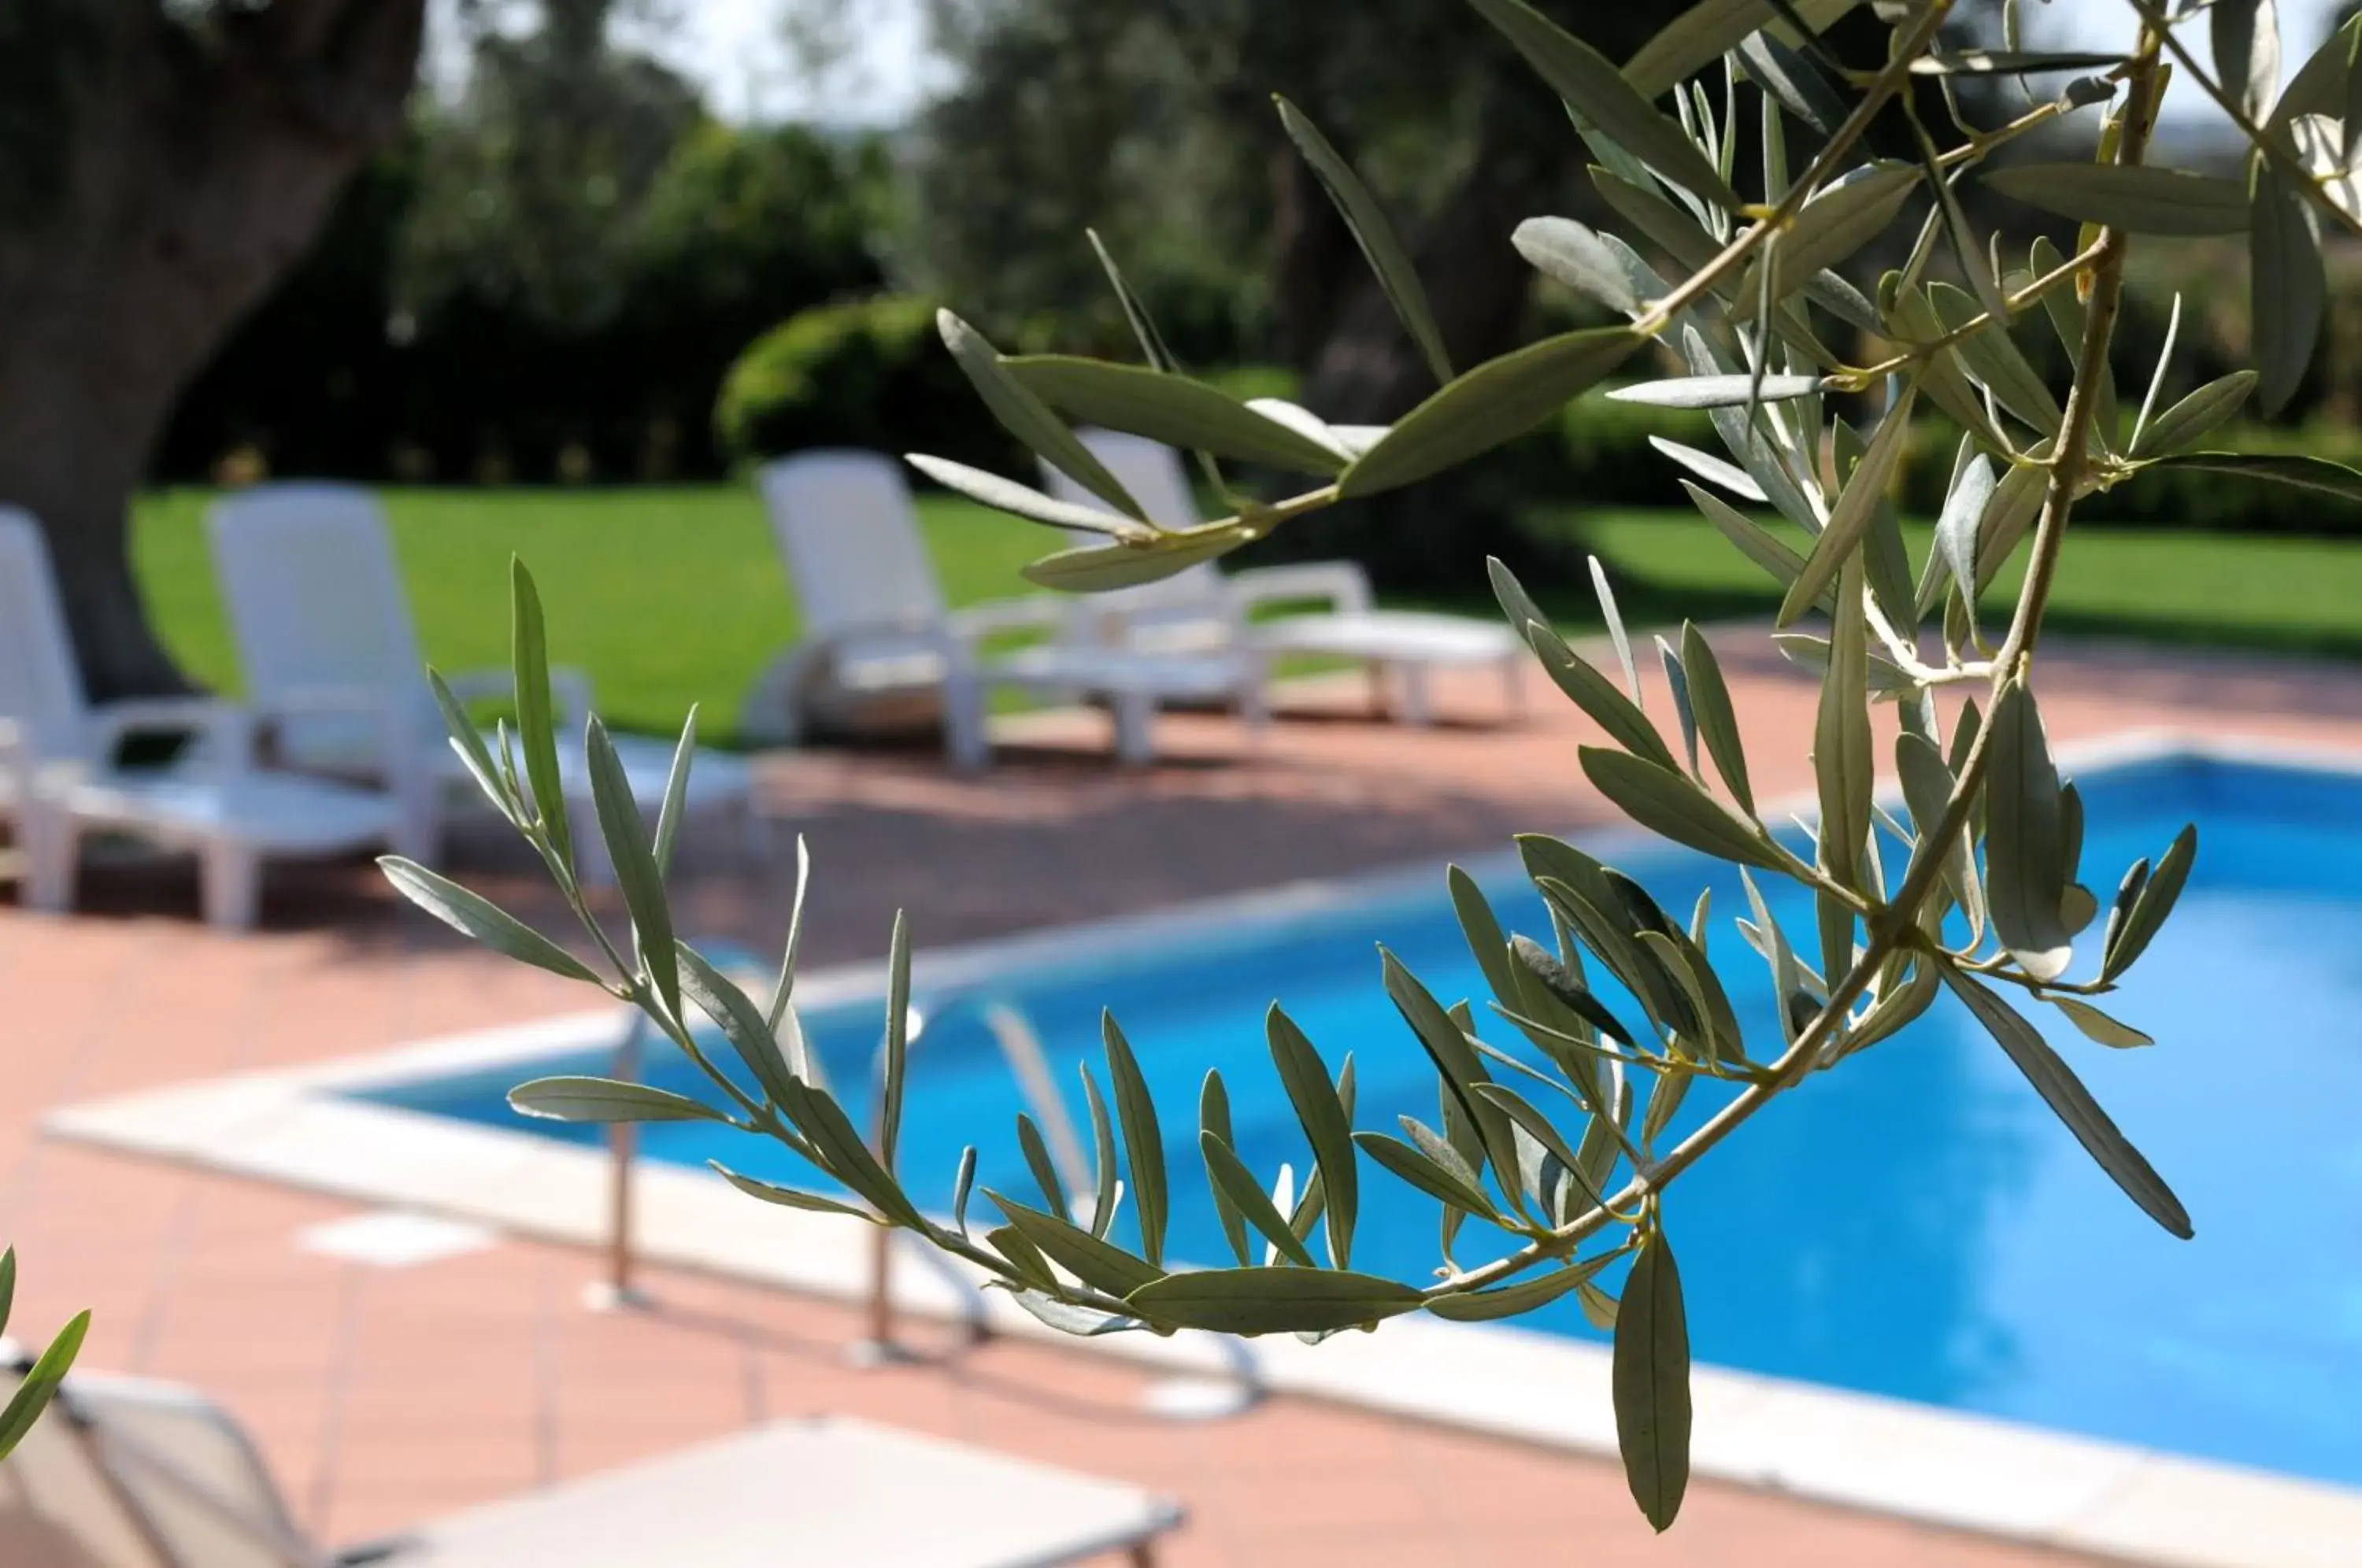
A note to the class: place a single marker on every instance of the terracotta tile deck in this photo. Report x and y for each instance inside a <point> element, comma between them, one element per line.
<point>384,1397</point>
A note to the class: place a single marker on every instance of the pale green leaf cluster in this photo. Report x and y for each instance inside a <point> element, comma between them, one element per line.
<point>1967,879</point>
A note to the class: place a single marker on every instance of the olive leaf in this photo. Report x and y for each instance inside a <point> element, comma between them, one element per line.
<point>2154,900</point>
<point>1515,1300</point>
<point>1590,690</point>
<point>2290,287</point>
<point>1096,1263</point>
<point>1856,509</point>
<point>1717,721</point>
<point>789,1197</point>
<point>1650,1379</point>
<point>2025,868</point>
<point>1841,743</point>
<point>536,714</point>
<point>1493,403</point>
<point>2140,198</point>
<point>574,1099</point>
<point>1169,408</point>
<point>1097,568</point>
<point>1327,1124</point>
<point>1841,218</point>
<point>1367,221</point>
<point>2100,1026</point>
<point>1143,1142</point>
<point>2196,416</point>
<point>1581,257</point>
<point>480,919</point>
<point>1717,391</point>
<point>2247,39</point>
<point>1022,501</point>
<point>1590,83</point>
<point>1272,1300</point>
<point>1026,416</point>
<point>2066,1095</point>
<point>1703,33</point>
<point>1665,801</point>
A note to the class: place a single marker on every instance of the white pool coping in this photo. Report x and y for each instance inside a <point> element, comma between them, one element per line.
<point>296,1126</point>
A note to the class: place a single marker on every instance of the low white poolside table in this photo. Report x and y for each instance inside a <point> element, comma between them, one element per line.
<point>817,1493</point>
<point>1408,644</point>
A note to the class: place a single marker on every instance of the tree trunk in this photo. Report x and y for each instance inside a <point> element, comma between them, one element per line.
<point>1360,367</point>
<point>192,163</point>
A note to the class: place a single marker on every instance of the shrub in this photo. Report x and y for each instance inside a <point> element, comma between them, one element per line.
<point>865,373</point>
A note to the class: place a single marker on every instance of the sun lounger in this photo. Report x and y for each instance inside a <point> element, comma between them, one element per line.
<point>61,780</point>
<point>1204,609</point>
<point>329,648</point>
<point>877,631</point>
<point>129,1474</point>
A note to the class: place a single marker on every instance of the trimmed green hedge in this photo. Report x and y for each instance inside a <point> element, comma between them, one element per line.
<point>870,373</point>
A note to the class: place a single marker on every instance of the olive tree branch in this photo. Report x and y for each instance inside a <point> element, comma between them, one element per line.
<point>1894,926</point>
<point>1888,83</point>
<point>2273,147</point>
<point>2025,298</point>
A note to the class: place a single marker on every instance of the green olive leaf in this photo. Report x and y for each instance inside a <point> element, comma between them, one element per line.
<point>1651,1378</point>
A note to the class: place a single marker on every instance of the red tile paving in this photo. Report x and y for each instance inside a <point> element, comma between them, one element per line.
<point>384,1397</point>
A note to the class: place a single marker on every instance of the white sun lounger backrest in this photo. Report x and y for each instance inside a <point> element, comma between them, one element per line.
<point>122,1472</point>
<point>1154,473</point>
<point>40,689</point>
<point>849,534</point>
<point>316,602</point>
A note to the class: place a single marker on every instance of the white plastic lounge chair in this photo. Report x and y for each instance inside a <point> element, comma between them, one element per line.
<point>59,780</point>
<point>329,648</point>
<point>878,630</point>
<point>127,1473</point>
<point>1204,608</point>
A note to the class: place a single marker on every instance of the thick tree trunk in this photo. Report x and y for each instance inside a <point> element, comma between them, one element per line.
<point>194,162</point>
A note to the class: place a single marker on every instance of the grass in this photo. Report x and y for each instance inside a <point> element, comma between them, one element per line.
<point>664,596</point>
<point>2268,591</point>
<point>670,596</point>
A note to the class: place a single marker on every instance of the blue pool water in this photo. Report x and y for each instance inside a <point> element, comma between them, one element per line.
<point>1916,1224</point>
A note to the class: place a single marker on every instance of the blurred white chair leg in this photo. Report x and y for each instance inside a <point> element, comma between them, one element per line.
<point>967,742</point>
<point>50,845</point>
<point>1417,700</point>
<point>231,885</point>
<point>1135,720</point>
<point>1512,685</point>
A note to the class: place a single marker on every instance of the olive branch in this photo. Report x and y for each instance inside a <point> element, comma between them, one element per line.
<point>1533,1146</point>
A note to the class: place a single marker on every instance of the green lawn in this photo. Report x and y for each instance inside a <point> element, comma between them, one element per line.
<point>664,596</point>
<point>677,595</point>
<point>2248,591</point>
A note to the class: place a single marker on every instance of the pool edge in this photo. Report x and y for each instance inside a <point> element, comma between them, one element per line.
<point>1864,1452</point>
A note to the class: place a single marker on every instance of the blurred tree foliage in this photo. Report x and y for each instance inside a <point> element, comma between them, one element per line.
<point>1152,121</point>
<point>547,280</point>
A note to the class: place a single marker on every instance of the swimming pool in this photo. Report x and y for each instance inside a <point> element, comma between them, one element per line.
<point>1958,1248</point>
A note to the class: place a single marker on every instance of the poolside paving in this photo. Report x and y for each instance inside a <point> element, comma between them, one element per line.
<point>383,1397</point>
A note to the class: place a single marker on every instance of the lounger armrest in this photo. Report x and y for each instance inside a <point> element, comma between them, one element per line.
<point>401,726</point>
<point>1343,585</point>
<point>227,730</point>
<point>1039,612</point>
<point>569,693</point>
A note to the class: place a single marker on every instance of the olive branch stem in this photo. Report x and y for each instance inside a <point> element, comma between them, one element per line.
<point>1889,82</point>
<point>1893,926</point>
